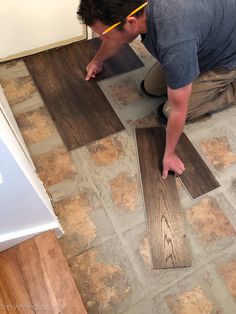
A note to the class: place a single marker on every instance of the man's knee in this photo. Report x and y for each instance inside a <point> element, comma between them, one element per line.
<point>155,81</point>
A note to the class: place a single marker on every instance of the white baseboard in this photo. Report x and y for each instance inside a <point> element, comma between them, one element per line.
<point>10,239</point>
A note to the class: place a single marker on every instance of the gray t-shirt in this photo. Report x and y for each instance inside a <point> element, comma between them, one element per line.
<point>191,36</point>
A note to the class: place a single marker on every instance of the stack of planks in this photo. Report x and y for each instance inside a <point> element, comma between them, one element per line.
<point>35,278</point>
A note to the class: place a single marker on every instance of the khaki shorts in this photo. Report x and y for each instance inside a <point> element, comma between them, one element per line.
<point>212,90</point>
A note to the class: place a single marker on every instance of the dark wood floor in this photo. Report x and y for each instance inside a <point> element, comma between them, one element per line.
<point>79,109</point>
<point>35,278</point>
<point>166,232</point>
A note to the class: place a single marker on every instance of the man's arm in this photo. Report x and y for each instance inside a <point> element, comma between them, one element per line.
<point>179,99</point>
<point>107,49</point>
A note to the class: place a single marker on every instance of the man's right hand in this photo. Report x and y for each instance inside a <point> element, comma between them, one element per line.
<point>171,162</point>
<point>93,68</point>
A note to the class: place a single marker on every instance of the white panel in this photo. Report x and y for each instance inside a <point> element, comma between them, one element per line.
<point>24,203</point>
<point>11,144</point>
<point>10,239</point>
<point>11,120</point>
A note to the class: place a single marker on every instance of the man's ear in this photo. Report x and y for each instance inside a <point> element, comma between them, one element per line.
<point>132,21</point>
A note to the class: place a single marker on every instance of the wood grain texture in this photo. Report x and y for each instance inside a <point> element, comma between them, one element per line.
<point>58,274</point>
<point>197,177</point>
<point>124,61</point>
<point>35,275</point>
<point>36,279</point>
<point>79,109</point>
<point>12,284</point>
<point>2,304</point>
<point>167,239</point>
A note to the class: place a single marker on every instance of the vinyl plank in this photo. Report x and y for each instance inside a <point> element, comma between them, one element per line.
<point>167,239</point>
<point>12,284</point>
<point>58,274</point>
<point>124,61</point>
<point>79,109</point>
<point>197,177</point>
<point>36,279</point>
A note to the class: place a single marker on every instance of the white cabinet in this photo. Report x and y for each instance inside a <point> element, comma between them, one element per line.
<point>29,26</point>
<point>6,110</point>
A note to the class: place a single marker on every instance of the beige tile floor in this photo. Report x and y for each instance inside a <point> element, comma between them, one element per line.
<point>97,197</point>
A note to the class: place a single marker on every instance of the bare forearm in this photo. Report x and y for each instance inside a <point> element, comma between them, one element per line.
<point>175,127</point>
<point>179,102</point>
<point>107,50</point>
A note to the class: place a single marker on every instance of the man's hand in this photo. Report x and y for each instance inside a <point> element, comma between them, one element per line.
<point>107,50</point>
<point>93,68</point>
<point>173,163</point>
<point>179,99</point>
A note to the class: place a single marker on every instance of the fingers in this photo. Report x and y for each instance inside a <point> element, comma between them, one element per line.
<point>93,68</point>
<point>91,71</point>
<point>180,170</point>
<point>181,164</point>
<point>90,75</point>
<point>164,173</point>
<point>177,167</point>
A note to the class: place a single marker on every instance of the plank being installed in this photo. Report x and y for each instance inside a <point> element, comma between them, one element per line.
<point>79,108</point>
<point>125,60</point>
<point>167,239</point>
<point>197,178</point>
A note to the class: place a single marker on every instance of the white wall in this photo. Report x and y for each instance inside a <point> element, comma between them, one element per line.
<point>29,24</point>
<point>25,208</point>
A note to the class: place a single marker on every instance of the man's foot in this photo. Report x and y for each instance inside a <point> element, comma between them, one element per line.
<point>165,109</point>
<point>161,118</point>
<point>144,90</point>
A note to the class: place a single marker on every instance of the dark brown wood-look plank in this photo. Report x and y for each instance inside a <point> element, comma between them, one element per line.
<point>124,61</point>
<point>12,284</point>
<point>167,239</point>
<point>58,274</point>
<point>36,279</point>
<point>79,109</point>
<point>197,177</point>
<point>3,308</point>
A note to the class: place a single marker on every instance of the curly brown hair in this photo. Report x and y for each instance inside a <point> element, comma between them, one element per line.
<point>107,11</point>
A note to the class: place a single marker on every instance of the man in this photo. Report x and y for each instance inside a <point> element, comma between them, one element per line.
<point>195,44</point>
